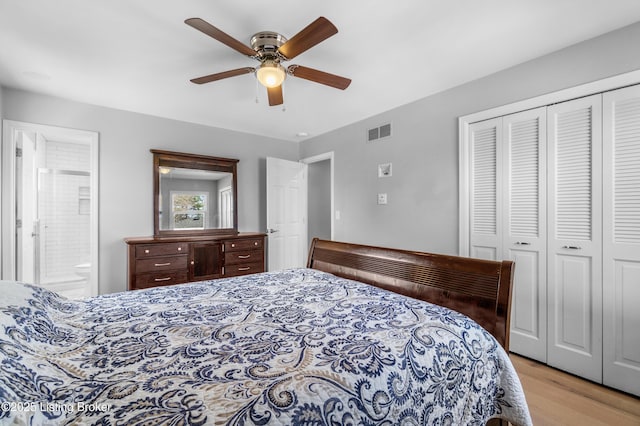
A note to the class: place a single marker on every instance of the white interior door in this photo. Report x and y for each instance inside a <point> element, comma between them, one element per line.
<point>575,237</point>
<point>486,200</point>
<point>286,213</point>
<point>525,233</point>
<point>621,257</point>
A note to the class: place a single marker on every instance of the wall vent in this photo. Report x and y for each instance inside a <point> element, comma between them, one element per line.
<point>385,131</point>
<point>381,132</point>
<point>374,134</point>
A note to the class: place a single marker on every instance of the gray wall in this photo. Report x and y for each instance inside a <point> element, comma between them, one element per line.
<point>422,209</point>
<point>126,203</point>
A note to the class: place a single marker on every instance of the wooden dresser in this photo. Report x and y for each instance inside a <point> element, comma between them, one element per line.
<point>172,260</point>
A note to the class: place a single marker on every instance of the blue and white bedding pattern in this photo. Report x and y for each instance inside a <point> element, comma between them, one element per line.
<point>297,347</point>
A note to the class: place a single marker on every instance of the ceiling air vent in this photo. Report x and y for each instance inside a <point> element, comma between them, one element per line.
<point>381,132</point>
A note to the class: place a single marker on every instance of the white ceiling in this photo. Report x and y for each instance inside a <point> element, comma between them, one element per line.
<point>138,55</point>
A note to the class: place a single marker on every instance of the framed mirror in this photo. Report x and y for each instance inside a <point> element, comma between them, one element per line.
<point>194,194</point>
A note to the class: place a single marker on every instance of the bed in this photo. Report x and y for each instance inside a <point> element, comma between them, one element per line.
<point>312,346</point>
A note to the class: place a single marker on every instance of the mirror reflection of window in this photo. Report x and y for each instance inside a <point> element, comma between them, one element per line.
<point>189,210</point>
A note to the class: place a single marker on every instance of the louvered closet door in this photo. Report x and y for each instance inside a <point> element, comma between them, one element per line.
<point>486,223</point>
<point>525,231</point>
<point>621,267</point>
<point>575,239</point>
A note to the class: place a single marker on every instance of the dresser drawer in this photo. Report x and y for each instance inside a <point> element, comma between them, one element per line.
<point>166,263</point>
<point>164,249</point>
<point>245,244</point>
<point>160,279</point>
<point>246,256</point>
<point>243,269</point>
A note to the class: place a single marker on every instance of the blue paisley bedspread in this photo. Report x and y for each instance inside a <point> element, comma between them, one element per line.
<point>298,347</point>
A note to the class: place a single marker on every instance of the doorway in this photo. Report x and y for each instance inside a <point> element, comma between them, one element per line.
<point>320,196</point>
<point>50,208</point>
<point>299,207</point>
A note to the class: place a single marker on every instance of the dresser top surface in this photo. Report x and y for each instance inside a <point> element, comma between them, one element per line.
<point>160,240</point>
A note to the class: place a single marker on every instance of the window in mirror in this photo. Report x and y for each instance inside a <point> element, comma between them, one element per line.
<point>189,210</point>
<point>194,194</point>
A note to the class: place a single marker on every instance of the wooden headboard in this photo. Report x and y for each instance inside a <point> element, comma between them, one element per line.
<point>480,289</point>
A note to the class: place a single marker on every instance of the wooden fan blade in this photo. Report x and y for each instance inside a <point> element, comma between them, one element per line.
<point>219,76</point>
<point>275,95</point>
<point>222,37</point>
<point>319,76</point>
<point>317,31</point>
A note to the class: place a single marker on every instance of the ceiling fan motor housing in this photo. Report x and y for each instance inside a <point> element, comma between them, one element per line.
<point>266,43</point>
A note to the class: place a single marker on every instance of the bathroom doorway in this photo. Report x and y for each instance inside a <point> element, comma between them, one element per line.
<point>49,208</point>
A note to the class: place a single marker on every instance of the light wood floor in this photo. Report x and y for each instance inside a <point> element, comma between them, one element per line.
<point>558,398</point>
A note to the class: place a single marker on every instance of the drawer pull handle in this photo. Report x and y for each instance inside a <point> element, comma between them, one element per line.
<point>162,279</point>
<point>246,256</point>
<point>572,247</point>
<point>246,268</point>
<point>146,251</point>
<point>162,264</point>
<point>179,248</point>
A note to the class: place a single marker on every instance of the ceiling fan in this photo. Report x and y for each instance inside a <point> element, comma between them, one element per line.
<point>271,49</point>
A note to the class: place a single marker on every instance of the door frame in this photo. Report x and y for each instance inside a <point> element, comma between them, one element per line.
<point>316,159</point>
<point>8,192</point>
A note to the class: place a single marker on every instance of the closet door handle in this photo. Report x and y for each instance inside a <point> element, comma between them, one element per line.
<point>522,243</point>
<point>572,247</point>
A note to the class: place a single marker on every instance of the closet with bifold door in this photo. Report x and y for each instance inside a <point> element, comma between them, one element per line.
<point>557,190</point>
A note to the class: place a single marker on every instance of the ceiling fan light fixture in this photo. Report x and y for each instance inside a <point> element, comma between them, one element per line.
<point>271,73</point>
<point>270,48</point>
